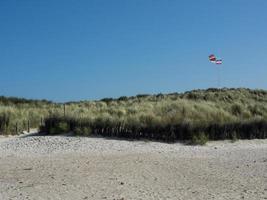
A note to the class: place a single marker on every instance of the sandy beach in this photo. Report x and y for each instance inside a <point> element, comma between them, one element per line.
<point>64,167</point>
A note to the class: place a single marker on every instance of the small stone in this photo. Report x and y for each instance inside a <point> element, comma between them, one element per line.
<point>27,169</point>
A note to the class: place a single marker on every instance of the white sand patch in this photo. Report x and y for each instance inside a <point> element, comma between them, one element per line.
<point>60,167</point>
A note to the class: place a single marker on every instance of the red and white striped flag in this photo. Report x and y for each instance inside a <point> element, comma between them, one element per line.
<point>212,58</point>
<point>218,62</point>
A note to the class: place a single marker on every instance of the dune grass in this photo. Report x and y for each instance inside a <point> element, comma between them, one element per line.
<point>211,114</point>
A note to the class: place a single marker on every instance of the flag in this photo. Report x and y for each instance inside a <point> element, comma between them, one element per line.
<point>218,62</point>
<point>212,58</point>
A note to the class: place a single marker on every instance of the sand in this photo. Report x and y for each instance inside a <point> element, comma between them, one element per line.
<point>63,167</point>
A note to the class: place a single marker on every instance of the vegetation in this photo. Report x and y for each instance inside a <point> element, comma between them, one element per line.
<point>199,139</point>
<point>17,114</point>
<point>198,115</point>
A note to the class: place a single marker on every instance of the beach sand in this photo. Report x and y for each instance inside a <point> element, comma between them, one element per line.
<point>64,167</point>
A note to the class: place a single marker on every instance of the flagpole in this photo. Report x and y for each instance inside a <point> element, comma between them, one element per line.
<point>218,62</point>
<point>219,77</point>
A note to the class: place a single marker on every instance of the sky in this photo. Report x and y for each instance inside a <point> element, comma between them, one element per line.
<point>67,50</point>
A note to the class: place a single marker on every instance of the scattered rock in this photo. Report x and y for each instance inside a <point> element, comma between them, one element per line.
<point>27,169</point>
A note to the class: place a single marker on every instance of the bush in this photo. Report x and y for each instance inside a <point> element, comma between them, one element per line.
<point>83,131</point>
<point>234,136</point>
<point>199,139</point>
<point>62,127</point>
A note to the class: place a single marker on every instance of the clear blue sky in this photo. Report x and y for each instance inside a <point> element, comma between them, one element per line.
<point>90,49</point>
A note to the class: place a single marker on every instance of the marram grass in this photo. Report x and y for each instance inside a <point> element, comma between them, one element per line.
<point>212,114</point>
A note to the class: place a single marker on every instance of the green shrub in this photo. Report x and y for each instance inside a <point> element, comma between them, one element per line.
<point>83,131</point>
<point>62,127</point>
<point>199,139</point>
<point>234,136</point>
